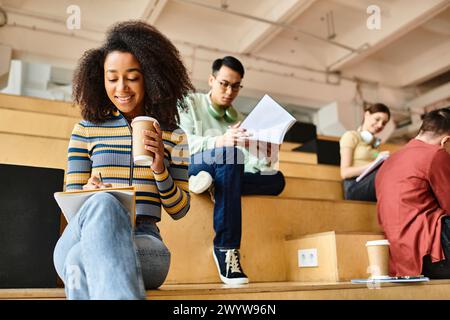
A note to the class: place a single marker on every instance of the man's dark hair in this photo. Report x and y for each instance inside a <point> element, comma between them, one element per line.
<point>436,122</point>
<point>166,80</point>
<point>230,62</point>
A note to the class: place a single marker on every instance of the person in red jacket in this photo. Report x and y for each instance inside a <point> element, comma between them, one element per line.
<point>413,192</point>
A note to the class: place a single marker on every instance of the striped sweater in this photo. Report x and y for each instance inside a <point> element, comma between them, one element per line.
<point>106,148</point>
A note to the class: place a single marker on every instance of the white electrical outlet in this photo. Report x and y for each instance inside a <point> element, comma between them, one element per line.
<point>307,258</point>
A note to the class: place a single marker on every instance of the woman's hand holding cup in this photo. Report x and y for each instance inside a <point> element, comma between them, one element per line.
<point>148,146</point>
<point>153,142</point>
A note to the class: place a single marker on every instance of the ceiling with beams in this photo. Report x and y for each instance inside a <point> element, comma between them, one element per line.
<point>308,53</point>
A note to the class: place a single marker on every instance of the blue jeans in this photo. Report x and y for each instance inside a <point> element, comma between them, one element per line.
<point>226,166</point>
<point>99,257</point>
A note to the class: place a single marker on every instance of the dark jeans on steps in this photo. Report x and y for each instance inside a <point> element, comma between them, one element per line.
<point>441,269</point>
<point>226,166</point>
<point>364,190</point>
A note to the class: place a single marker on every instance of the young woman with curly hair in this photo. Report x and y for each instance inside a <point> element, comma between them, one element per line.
<point>136,72</point>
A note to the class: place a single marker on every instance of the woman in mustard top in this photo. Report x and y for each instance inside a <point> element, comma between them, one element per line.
<point>359,148</point>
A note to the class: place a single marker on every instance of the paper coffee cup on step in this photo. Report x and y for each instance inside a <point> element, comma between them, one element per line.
<point>142,156</point>
<point>378,253</point>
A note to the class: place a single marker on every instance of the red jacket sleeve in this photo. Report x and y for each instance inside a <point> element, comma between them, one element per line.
<point>439,174</point>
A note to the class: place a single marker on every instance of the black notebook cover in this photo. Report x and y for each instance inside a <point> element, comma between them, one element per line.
<point>29,225</point>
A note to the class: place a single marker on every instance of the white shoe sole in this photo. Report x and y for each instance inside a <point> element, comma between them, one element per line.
<point>200,182</point>
<point>226,280</point>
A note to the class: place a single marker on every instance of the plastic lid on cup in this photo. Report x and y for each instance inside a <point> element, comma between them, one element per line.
<point>143,118</point>
<point>383,242</point>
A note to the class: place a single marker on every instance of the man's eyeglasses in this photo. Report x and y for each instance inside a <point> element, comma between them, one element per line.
<point>225,84</point>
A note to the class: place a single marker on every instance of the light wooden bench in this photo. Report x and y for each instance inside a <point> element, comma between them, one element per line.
<point>433,290</point>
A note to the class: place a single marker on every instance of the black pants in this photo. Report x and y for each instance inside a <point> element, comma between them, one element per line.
<point>363,190</point>
<point>441,269</point>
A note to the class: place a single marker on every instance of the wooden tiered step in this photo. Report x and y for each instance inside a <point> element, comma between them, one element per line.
<point>310,171</point>
<point>267,221</point>
<point>288,146</point>
<point>33,151</point>
<point>435,289</point>
<point>312,189</point>
<point>38,105</point>
<point>41,136</point>
<point>37,124</point>
<point>341,256</point>
<point>298,157</point>
<point>34,294</point>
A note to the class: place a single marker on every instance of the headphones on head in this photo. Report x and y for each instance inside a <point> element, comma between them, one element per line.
<point>229,114</point>
<point>369,138</point>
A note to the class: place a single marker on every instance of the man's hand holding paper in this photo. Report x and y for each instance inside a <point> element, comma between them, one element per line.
<point>235,135</point>
<point>268,121</point>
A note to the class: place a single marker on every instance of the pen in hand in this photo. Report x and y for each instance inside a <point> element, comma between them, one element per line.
<point>96,182</point>
<point>102,184</point>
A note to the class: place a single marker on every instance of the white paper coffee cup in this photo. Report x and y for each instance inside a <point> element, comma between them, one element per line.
<point>142,156</point>
<point>378,253</point>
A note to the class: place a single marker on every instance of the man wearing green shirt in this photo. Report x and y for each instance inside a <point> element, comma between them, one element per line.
<point>221,160</point>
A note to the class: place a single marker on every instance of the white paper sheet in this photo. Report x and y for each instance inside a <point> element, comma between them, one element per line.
<point>71,202</point>
<point>392,279</point>
<point>375,164</point>
<point>268,121</point>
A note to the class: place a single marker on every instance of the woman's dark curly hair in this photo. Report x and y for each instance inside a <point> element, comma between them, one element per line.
<point>166,81</point>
